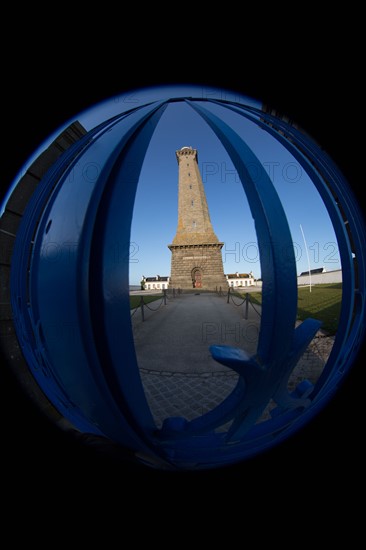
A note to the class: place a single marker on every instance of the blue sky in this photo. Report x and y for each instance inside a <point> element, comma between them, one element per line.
<point>155,212</point>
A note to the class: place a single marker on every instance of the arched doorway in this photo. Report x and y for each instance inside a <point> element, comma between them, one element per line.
<point>197,278</point>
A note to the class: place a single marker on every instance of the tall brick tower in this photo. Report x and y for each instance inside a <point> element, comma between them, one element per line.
<point>196,251</point>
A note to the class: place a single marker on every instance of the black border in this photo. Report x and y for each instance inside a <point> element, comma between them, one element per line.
<point>323,98</point>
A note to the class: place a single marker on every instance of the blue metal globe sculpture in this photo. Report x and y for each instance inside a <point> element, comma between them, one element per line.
<point>90,373</point>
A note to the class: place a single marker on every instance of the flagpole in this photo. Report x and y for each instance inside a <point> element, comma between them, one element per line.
<point>307,254</point>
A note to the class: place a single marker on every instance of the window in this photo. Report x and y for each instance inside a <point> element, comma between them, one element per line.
<point>192,202</point>
<point>190,186</point>
<point>189,173</point>
<point>194,224</point>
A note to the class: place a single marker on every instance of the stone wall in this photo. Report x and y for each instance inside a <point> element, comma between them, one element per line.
<point>206,258</point>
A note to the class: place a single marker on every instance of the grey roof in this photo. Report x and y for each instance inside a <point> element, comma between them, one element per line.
<point>313,271</point>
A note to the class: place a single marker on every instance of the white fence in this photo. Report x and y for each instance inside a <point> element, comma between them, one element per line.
<point>327,277</point>
<point>316,279</point>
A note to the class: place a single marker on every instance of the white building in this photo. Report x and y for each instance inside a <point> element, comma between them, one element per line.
<point>234,280</point>
<point>239,280</point>
<point>156,283</point>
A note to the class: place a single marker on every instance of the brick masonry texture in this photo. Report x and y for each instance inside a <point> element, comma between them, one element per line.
<point>196,250</point>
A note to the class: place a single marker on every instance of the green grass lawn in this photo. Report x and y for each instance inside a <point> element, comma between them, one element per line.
<point>135,300</point>
<point>322,303</point>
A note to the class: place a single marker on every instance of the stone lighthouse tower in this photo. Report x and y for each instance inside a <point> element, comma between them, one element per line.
<point>196,251</point>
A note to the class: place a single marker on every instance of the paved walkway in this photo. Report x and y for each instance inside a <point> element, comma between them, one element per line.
<point>179,376</point>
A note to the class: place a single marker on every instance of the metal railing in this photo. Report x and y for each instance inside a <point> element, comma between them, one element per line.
<point>245,301</point>
<point>163,301</point>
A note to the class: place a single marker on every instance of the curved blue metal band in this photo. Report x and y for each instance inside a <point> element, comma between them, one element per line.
<point>277,257</point>
<point>64,319</point>
<point>347,222</point>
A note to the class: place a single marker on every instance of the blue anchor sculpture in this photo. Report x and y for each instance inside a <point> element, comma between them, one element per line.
<point>71,339</point>
<point>264,376</point>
